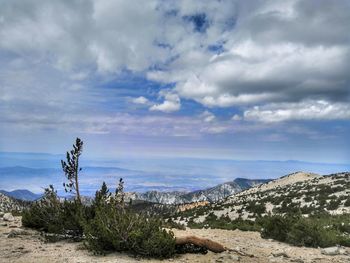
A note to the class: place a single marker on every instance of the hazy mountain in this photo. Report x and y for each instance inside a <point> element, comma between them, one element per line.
<point>22,194</point>
<point>212,194</point>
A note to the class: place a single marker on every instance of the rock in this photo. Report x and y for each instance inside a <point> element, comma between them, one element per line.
<point>280,254</point>
<point>17,232</point>
<point>8,217</point>
<point>275,260</point>
<point>1,214</point>
<point>228,258</point>
<point>333,251</point>
<point>297,260</point>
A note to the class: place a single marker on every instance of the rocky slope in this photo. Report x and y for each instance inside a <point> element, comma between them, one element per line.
<point>213,194</point>
<point>304,192</point>
<point>8,204</point>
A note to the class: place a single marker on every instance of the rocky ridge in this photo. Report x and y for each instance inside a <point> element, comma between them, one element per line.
<point>298,192</point>
<point>213,194</point>
<point>8,204</point>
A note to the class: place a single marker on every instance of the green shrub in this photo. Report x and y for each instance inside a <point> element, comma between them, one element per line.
<point>115,228</point>
<point>45,214</point>
<point>321,230</point>
<point>333,204</point>
<point>276,227</point>
<point>52,216</point>
<point>121,230</point>
<point>310,234</point>
<point>256,208</point>
<point>347,202</point>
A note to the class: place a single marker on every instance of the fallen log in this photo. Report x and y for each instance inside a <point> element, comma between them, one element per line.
<point>207,244</point>
<point>201,242</point>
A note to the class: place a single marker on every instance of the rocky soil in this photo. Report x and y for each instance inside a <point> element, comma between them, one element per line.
<point>22,245</point>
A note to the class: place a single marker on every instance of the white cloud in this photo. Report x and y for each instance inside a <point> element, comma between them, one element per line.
<point>307,110</point>
<point>251,73</point>
<point>140,100</point>
<point>287,57</point>
<point>207,116</point>
<point>236,117</point>
<point>171,103</point>
<point>270,51</point>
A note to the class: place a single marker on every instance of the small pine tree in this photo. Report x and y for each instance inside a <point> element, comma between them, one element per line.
<point>71,169</point>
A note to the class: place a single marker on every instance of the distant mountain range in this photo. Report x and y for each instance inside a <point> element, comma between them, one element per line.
<point>22,194</point>
<point>212,194</point>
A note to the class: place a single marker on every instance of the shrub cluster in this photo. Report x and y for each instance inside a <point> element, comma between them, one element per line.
<point>224,222</point>
<point>51,215</point>
<point>316,231</point>
<point>106,225</point>
<point>115,228</point>
<point>321,230</point>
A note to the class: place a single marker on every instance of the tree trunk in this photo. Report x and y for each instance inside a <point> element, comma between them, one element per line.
<point>202,242</point>
<point>77,180</point>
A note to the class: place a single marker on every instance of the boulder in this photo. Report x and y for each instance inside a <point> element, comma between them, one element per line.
<point>333,251</point>
<point>8,217</point>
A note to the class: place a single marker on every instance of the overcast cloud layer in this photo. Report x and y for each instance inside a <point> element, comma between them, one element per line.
<point>172,71</point>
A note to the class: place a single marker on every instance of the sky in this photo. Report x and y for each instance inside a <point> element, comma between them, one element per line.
<point>242,80</point>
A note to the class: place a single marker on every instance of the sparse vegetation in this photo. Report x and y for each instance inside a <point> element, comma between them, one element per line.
<point>115,228</point>
<point>316,231</point>
<point>107,224</point>
<point>51,215</point>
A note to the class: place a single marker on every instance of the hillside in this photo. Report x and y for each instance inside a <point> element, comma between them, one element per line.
<point>8,204</point>
<point>298,192</point>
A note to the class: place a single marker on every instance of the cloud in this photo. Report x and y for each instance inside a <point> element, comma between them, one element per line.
<point>269,61</point>
<point>140,100</point>
<point>251,74</point>
<point>236,117</point>
<point>207,116</point>
<point>306,110</point>
<point>171,103</point>
<point>219,54</point>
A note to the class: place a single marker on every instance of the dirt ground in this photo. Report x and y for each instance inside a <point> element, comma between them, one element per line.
<point>28,246</point>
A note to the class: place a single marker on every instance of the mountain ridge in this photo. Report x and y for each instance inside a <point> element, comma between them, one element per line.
<point>212,194</point>
<point>22,194</point>
<point>299,192</point>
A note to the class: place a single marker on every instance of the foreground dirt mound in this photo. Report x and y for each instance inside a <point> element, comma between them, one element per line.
<point>27,246</point>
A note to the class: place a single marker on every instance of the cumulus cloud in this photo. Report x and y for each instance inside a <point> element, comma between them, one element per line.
<point>207,116</point>
<point>140,100</point>
<point>274,61</point>
<point>306,110</point>
<point>218,53</point>
<point>236,117</point>
<point>171,103</point>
